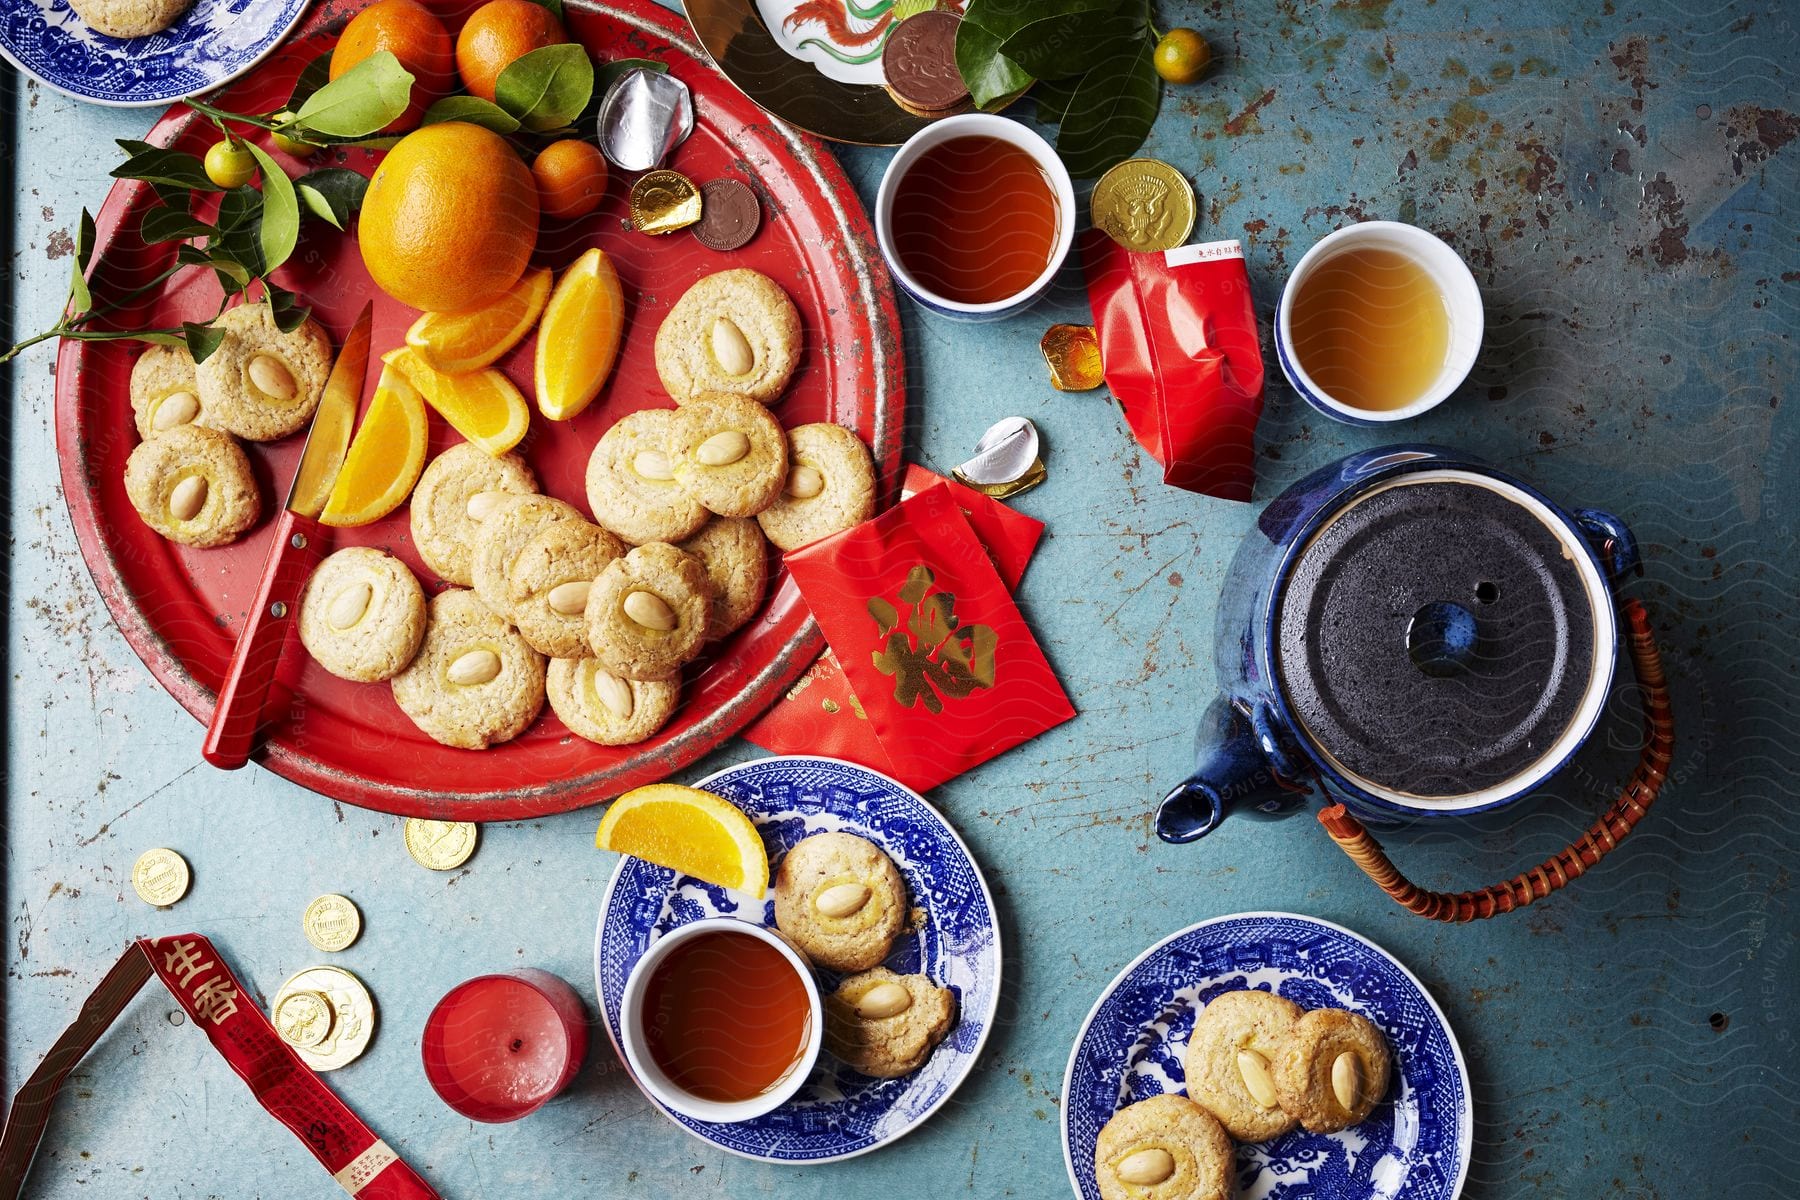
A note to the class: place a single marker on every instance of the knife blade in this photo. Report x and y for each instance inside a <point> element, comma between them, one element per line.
<point>297,543</point>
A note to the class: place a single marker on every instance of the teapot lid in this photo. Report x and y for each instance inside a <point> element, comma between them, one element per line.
<point>1444,636</point>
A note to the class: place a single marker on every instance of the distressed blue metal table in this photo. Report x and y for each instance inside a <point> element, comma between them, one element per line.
<point>1621,179</point>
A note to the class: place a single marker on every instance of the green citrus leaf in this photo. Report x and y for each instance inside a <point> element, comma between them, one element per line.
<point>361,102</point>
<point>1070,43</point>
<point>235,248</point>
<point>334,193</point>
<point>1052,98</point>
<point>1111,112</point>
<point>80,298</point>
<point>990,74</point>
<point>202,340</point>
<point>315,75</point>
<point>285,308</point>
<point>170,223</point>
<point>475,111</point>
<point>281,211</point>
<point>170,168</point>
<point>547,88</point>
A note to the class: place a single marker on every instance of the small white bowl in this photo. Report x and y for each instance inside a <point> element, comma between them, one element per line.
<point>651,1078</point>
<point>976,125</point>
<point>1462,301</point>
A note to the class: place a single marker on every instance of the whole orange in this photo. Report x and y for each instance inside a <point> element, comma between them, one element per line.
<point>450,218</point>
<point>407,30</point>
<point>499,32</point>
<point>571,178</point>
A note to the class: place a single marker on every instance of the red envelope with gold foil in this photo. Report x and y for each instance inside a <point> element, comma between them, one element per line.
<point>930,641</point>
<point>819,714</point>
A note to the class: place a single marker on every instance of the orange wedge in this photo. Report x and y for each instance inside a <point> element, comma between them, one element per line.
<point>483,406</point>
<point>385,457</point>
<point>690,831</point>
<point>579,338</point>
<point>457,343</point>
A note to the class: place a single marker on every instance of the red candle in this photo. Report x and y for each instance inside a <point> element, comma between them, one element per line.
<point>500,1046</point>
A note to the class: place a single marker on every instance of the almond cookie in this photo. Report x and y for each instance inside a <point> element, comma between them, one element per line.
<point>631,482</point>
<point>548,581</point>
<point>130,18</point>
<point>735,332</point>
<point>736,559</point>
<point>501,537</point>
<point>1335,1068</point>
<point>164,393</point>
<point>606,708</point>
<point>728,453</point>
<point>193,485</point>
<point>830,487</point>
<point>475,681</point>
<point>1165,1148</point>
<point>841,900</point>
<point>1230,1060</point>
<point>261,383</point>
<point>362,615</point>
<point>887,1025</point>
<point>459,489</point>
<point>647,613</point>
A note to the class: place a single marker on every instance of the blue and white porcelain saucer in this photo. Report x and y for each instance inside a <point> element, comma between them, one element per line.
<point>213,42</point>
<point>1415,1146</point>
<point>838,1113</point>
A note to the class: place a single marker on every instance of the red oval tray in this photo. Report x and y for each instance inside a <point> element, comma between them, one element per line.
<point>180,609</point>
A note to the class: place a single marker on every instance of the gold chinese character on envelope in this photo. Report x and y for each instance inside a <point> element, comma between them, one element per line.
<point>925,650</point>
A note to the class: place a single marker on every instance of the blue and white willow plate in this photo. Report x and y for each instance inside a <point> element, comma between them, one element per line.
<point>838,1113</point>
<point>213,42</point>
<point>1414,1146</point>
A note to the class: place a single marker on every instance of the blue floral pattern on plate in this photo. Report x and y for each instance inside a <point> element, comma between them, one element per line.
<point>214,41</point>
<point>838,1113</point>
<point>1414,1146</point>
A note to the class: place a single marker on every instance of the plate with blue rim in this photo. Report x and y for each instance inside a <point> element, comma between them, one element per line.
<point>213,42</point>
<point>838,1113</point>
<point>1414,1146</point>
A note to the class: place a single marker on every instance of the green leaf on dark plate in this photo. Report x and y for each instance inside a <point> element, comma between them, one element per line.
<point>1052,98</point>
<point>202,340</point>
<point>235,249</point>
<point>610,73</point>
<point>281,211</point>
<point>548,87</point>
<point>170,223</point>
<point>285,307</point>
<point>334,193</point>
<point>1111,112</point>
<point>80,298</point>
<point>987,73</point>
<point>166,167</point>
<point>475,111</point>
<point>362,101</point>
<point>1070,43</point>
<point>315,75</point>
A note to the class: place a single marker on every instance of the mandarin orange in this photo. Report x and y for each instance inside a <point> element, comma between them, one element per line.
<point>450,218</point>
<point>571,178</point>
<point>498,33</point>
<point>411,33</point>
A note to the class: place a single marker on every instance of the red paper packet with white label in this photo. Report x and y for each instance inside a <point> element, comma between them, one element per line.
<point>1178,340</point>
<point>819,714</point>
<point>947,672</point>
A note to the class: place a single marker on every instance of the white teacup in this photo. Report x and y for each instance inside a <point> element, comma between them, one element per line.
<point>1462,304</point>
<point>657,1083</point>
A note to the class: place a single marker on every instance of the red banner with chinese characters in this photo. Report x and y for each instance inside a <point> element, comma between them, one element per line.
<point>361,1163</point>
<point>929,639</point>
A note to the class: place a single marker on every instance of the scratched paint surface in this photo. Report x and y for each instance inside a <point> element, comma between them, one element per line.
<point>1620,177</point>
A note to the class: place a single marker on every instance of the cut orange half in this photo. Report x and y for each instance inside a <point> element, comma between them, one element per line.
<point>579,338</point>
<point>690,831</point>
<point>483,406</point>
<point>385,457</point>
<point>457,343</point>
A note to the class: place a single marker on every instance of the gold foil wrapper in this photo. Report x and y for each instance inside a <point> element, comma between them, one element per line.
<point>1072,353</point>
<point>1034,475</point>
<point>663,202</point>
<point>1144,205</point>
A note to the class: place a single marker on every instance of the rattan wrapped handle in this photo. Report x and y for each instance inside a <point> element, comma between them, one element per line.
<point>1573,861</point>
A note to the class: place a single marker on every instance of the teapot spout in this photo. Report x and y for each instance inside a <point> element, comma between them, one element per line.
<point>1233,771</point>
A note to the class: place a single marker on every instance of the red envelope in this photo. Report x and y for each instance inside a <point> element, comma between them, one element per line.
<point>930,640</point>
<point>819,714</point>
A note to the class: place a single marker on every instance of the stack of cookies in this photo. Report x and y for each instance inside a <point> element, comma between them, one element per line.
<point>601,616</point>
<point>189,479</point>
<point>1257,1066</point>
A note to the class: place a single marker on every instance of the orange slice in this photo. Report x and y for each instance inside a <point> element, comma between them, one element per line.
<point>456,343</point>
<point>690,831</point>
<point>483,406</point>
<point>385,457</point>
<point>579,339</point>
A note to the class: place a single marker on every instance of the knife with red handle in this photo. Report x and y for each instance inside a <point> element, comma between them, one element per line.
<point>298,544</point>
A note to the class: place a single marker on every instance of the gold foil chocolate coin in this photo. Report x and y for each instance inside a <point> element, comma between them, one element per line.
<point>1144,205</point>
<point>664,201</point>
<point>440,845</point>
<point>351,1010</point>
<point>331,922</point>
<point>303,1019</point>
<point>1073,355</point>
<point>160,877</point>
